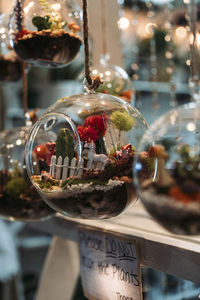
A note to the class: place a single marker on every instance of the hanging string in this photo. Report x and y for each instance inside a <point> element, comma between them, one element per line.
<point>18,14</point>
<point>93,82</point>
<point>103,27</point>
<point>25,93</point>
<point>169,54</point>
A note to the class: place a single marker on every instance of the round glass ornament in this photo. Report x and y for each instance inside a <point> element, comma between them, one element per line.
<point>10,64</point>
<point>46,33</point>
<point>172,194</point>
<point>19,200</point>
<point>116,81</point>
<point>90,175</point>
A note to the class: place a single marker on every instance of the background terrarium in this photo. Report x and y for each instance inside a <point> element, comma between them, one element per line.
<point>116,81</point>
<point>19,200</point>
<point>10,64</point>
<point>94,138</point>
<point>46,32</point>
<point>173,194</point>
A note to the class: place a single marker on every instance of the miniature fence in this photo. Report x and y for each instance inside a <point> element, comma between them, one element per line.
<point>61,170</point>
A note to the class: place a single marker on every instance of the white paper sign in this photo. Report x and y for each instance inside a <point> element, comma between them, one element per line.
<point>109,267</point>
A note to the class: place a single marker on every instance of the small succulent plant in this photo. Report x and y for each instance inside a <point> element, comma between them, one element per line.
<point>65,144</point>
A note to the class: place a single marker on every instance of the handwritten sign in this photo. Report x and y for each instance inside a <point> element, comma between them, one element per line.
<point>109,267</point>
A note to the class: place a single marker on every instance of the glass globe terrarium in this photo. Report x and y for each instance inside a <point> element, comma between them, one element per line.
<point>172,193</point>
<point>90,173</point>
<point>116,81</point>
<point>19,200</point>
<point>10,64</point>
<point>46,33</point>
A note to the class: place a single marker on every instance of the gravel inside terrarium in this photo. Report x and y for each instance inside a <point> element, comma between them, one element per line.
<point>81,188</point>
<point>162,202</point>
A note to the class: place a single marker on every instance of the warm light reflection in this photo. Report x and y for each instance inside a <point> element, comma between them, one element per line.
<point>149,28</point>
<point>181,32</point>
<point>167,38</point>
<point>109,85</point>
<point>95,72</point>
<point>2,30</point>
<point>191,126</point>
<point>107,73</point>
<point>123,23</point>
<point>56,6</point>
<point>27,8</point>
<point>188,62</point>
<point>18,142</point>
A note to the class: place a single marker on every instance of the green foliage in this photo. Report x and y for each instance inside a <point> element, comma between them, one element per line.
<point>52,20</point>
<point>65,144</point>
<point>16,187</point>
<point>122,120</point>
<point>41,22</point>
<point>167,143</point>
<point>44,185</point>
<point>188,168</point>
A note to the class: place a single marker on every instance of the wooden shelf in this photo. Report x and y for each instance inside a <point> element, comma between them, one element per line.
<point>160,250</point>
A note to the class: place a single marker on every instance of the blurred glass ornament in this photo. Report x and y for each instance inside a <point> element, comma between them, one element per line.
<point>172,193</point>
<point>46,32</point>
<point>10,64</point>
<point>95,138</point>
<point>19,200</point>
<point>116,81</point>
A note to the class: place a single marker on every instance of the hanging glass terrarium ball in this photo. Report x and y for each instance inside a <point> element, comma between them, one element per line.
<point>46,33</point>
<point>19,200</point>
<point>172,144</point>
<point>90,173</point>
<point>10,64</point>
<point>116,81</point>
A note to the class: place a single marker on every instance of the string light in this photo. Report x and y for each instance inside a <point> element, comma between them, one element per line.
<point>169,54</point>
<point>153,56</point>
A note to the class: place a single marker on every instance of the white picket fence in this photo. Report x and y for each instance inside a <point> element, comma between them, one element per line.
<point>61,170</point>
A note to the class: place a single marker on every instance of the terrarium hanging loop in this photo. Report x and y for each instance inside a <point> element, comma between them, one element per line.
<point>93,82</point>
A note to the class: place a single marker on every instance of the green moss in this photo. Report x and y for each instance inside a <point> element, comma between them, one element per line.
<point>41,22</point>
<point>122,120</point>
<point>44,185</point>
<point>16,187</point>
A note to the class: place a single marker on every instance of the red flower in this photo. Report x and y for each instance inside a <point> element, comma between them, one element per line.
<point>98,122</point>
<point>88,134</point>
<point>22,33</point>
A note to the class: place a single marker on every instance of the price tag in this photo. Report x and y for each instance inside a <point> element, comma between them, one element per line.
<point>110,268</point>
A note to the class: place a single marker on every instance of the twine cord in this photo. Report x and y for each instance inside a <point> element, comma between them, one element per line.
<point>93,82</point>
<point>103,27</point>
<point>25,85</point>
